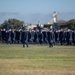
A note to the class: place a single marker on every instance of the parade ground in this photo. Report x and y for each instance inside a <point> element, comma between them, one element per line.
<point>37,59</point>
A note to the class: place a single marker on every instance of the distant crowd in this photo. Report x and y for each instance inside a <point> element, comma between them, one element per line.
<point>59,36</point>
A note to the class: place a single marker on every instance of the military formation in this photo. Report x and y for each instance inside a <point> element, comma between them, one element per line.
<point>24,36</point>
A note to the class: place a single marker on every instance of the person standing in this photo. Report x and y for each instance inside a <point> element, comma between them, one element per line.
<point>24,37</point>
<point>68,37</point>
<point>12,35</point>
<point>61,36</point>
<point>7,36</point>
<point>50,38</point>
<point>3,34</point>
<point>0,35</point>
<point>73,37</point>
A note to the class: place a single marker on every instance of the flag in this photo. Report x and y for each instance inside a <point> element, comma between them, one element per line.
<point>7,28</point>
<point>53,27</point>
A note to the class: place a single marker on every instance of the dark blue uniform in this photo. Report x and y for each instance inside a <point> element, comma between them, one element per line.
<point>44,33</point>
<point>61,37</point>
<point>73,37</point>
<point>40,37</point>
<point>7,37</point>
<point>50,38</point>
<point>3,33</point>
<point>0,35</point>
<point>24,38</point>
<point>68,37</point>
<point>12,35</point>
<point>29,36</point>
<point>35,37</point>
<point>17,36</point>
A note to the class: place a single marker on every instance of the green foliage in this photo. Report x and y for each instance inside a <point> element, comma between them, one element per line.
<point>71,23</point>
<point>67,24</point>
<point>12,23</point>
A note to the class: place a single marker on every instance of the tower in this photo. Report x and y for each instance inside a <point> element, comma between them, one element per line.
<point>55,17</point>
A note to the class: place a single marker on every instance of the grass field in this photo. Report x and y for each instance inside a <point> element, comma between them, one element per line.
<point>37,60</point>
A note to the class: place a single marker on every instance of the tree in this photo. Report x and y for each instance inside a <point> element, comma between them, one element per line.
<point>71,23</point>
<point>66,24</point>
<point>12,23</point>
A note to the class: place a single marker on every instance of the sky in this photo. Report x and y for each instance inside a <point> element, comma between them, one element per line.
<point>37,6</point>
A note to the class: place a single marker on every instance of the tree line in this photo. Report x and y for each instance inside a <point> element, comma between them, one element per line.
<point>15,23</point>
<point>66,24</point>
<point>12,23</point>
